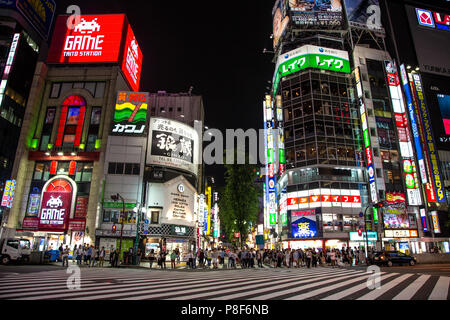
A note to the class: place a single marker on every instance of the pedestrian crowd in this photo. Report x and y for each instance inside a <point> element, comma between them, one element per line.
<point>223,258</point>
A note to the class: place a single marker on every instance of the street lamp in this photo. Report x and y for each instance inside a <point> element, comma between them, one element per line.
<point>116,197</point>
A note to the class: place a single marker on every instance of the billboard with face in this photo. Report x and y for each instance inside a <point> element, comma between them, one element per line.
<point>316,13</point>
<point>173,144</point>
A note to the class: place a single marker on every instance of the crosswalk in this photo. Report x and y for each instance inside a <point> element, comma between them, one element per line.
<point>320,283</point>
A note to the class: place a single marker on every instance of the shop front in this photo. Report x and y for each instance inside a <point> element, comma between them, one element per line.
<point>405,241</point>
<point>303,244</point>
<point>360,241</point>
<point>169,238</point>
<point>51,220</point>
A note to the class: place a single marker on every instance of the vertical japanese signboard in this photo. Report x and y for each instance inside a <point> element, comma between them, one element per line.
<point>430,143</point>
<point>280,126</point>
<point>271,162</point>
<point>130,114</point>
<point>8,193</point>
<point>366,135</point>
<point>406,149</point>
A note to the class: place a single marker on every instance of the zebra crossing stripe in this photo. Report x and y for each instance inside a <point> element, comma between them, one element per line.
<point>157,293</point>
<point>327,288</point>
<point>347,274</point>
<point>385,288</point>
<point>280,284</point>
<point>411,290</point>
<point>84,285</point>
<point>440,291</point>
<point>132,290</point>
<point>345,293</point>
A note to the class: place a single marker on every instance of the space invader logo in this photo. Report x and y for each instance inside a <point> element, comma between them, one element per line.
<point>425,18</point>
<point>87,26</point>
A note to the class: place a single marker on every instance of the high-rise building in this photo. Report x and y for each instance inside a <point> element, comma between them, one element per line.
<point>59,168</point>
<point>419,43</point>
<point>324,183</point>
<point>356,127</point>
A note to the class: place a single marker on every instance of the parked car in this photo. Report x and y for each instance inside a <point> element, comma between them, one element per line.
<point>390,258</point>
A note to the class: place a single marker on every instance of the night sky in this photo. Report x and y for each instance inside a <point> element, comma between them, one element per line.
<point>216,47</point>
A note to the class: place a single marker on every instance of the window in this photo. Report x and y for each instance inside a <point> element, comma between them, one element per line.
<point>38,171</point>
<point>96,116</point>
<point>55,90</point>
<point>154,219</point>
<point>124,168</point>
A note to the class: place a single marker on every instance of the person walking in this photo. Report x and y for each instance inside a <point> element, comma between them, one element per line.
<point>332,255</point>
<point>215,257</point>
<point>65,256</point>
<point>308,258</point>
<point>79,255</point>
<point>93,257</point>
<point>190,258</point>
<point>163,259</point>
<point>173,258</point>
<point>138,256</point>
<point>259,258</point>
<point>74,254</point>
<point>101,257</point>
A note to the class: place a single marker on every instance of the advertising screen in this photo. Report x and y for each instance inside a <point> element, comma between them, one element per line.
<point>303,224</point>
<point>280,20</point>
<point>364,14</point>
<point>173,144</point>
<point>316,13</point>
<point>130,115</point>
<point>395,218</point>
<point>55,210</point>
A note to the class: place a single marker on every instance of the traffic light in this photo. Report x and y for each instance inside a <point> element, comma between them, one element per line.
<point>379,205</point>
<point>114,228</point>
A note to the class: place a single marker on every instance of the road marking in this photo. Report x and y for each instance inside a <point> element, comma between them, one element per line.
<point>440,290</point>
<point>385,287</point>
<point>328,288</point>
<point>411,290</point>
<point>342,294</point>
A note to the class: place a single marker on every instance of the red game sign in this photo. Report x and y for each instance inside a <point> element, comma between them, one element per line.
<point>55,211</point>
<point>102,38</point>
<point>132,60</point>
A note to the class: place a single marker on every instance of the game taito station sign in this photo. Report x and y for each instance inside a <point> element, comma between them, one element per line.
<point>310,57</point>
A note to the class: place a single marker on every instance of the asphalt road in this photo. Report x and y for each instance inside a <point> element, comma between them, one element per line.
<point>321,283</point>
<point>430,269</point>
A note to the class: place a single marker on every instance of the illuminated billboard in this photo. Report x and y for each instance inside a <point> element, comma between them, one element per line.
<point>304,224</point>
<point>105,38</point>
<point>280,20</point>
<point>173,144</point>
<point>310,56</point>
<point>395,218</point>
<point>316,13</point>
<point>430,32</point>
<point>364,14</point>
<point>130,115</point>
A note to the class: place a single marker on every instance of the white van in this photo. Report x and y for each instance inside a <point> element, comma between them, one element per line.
<point>15,249</point>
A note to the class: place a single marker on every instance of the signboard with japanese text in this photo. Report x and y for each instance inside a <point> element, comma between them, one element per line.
<point>317,14</point>
<point>310,56</point>
<point>130,115</point>
<point>81,206</point>
<point>304,224</point>
<point>173,144</point>
<point>39,13</point>
<point>8,193</point>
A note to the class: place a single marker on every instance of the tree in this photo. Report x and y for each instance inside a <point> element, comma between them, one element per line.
<point>239,204</point>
